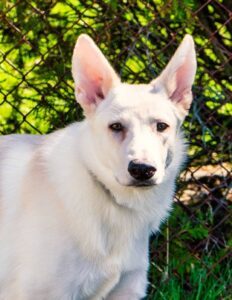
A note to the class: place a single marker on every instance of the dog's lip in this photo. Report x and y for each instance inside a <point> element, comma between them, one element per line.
<point>142,184</point>
<point>139,184</point>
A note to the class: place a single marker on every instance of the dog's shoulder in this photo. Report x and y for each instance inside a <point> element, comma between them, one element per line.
<point>13,141</point>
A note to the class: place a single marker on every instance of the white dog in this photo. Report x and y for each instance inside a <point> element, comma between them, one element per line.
<point>77,206</point>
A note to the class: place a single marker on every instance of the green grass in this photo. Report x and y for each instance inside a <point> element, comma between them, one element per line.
<point>191,258</point>
<point>193,285</point>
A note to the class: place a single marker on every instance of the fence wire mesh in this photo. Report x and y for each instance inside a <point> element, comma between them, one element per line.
<point>192,254</point>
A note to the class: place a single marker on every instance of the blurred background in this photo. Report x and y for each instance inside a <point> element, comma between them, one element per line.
<point>191,258</point>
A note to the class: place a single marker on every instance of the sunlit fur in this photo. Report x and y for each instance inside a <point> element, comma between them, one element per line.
<point>73,223</point>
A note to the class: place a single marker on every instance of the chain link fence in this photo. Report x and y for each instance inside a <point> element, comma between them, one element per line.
<point>191,256</point>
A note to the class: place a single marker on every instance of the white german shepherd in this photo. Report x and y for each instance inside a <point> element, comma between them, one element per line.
<point>77,206</point>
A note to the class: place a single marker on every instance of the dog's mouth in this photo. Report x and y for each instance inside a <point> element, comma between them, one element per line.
<point>143,184</point>
<point>138,184</point>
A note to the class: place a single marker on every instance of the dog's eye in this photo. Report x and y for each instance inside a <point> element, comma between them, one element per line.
<point>117,127</point>
<point>161,126</point>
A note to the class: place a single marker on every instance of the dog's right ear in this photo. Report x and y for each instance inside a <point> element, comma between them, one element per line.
<point>92,73</point>
<point>178,76</point>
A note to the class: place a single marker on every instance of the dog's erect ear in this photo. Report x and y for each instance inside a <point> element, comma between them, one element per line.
<point>178,76</point>
<point>92,73</point>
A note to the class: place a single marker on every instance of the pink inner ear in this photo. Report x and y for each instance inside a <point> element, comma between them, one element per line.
<point>182,83</point>
<point>93,75</point>
<point>92,85</point>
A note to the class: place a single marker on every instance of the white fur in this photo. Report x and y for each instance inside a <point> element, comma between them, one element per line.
<point>72,223</point>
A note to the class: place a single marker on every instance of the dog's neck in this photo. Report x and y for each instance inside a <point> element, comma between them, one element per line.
<point>101,185</point>
<point>109,194</point>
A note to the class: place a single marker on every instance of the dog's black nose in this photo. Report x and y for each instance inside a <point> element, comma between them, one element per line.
<point>141,171</point>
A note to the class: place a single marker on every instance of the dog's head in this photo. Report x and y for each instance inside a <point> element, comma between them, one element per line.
<point>134,127</point>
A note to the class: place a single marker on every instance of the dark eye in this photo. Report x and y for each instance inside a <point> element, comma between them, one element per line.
<point>161,126</point>
<point>117,127</point>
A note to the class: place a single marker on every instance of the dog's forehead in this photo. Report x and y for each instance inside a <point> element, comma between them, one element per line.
<point>132,94</point>
<point>139,100</point>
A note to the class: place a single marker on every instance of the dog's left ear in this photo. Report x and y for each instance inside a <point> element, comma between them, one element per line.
<point>93,75</point>
<point>178,76</point>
